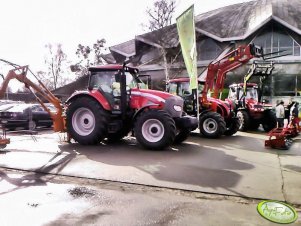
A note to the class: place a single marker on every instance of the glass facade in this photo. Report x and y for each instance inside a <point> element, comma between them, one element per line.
<point>285,81</point>
<point>208,49</point>
<point>276,40</point>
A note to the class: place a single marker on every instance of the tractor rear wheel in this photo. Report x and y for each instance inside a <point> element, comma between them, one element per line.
<point>233,128</point>
<point>269,121</point>
<point>155,129</point>
<point>86,121</point>
<point>212,125</point>
<point>244,120</point>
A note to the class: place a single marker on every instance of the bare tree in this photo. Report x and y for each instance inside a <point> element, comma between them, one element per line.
<point>54,60</point>
<point>161,14</point>
<point>160,19</point>
<point>89,56</point>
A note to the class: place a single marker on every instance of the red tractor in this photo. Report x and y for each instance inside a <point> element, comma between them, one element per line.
<point>216,117</point>
<point>113,105</point>
<point>251,111</point>
<point>212,124</point>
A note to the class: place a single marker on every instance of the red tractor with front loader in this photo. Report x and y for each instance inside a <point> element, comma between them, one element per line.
<point>251,110</point>
<point>114,104</point>
<point>216,117</point>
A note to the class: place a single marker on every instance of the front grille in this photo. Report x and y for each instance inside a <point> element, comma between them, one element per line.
<point>257,106</point>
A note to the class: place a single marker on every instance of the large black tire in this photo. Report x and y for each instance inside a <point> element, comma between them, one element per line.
<point>181,136</point>
<point>155,129</point>
<point>86,121</point>
<point>269,121</point>
<point>254,124</point>
<point>233,127</point>
<point>244,120</point>
<point>212,125</point>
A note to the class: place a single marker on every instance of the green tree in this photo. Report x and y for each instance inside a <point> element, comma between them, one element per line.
<point>89,56</point>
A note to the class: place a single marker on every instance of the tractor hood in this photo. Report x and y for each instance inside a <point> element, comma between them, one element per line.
<point>223,107</point>
<point>155,96</point>
<point>172,104</point>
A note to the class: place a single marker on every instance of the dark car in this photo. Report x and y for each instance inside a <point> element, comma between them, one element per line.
<point>28,116</point>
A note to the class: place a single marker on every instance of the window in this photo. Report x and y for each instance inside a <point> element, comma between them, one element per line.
<point>208,49</point>
<point>172,88</point>
<point>275,39</point>
<point>285,85</point>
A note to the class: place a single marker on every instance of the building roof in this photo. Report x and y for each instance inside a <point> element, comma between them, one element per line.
<point>234,22</point>
<point>237,22</point>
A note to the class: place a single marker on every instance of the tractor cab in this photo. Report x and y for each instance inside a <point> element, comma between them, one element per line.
<point>180,87</point>
<point>114,83</point>
<point>236,92</point>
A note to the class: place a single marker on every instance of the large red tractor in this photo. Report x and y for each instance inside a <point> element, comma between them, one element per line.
<point>216,117</point>
<point>114,104</point>
<point>251,110</point>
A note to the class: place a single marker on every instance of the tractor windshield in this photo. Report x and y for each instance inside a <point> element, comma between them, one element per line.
<point>182,88</point>
<point>106,80</point>
<point>251,93</point>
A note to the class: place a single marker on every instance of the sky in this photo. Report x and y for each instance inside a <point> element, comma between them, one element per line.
<point>28,25</point>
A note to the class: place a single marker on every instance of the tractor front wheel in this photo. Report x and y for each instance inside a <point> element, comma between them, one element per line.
<point>182,135</point>
<point>233,127</point>
<point>86,121</point>
<point>269,121</point>
<point>212,125</point>
<point>244,120</point>
<point>155,129</point>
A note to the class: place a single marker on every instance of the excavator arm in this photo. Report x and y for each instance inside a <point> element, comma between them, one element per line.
<point>40,91</point>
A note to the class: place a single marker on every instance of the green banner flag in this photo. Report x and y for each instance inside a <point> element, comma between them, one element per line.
<point>186,31</point>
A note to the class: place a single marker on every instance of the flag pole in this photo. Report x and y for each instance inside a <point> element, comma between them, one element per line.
<point>187,39</point>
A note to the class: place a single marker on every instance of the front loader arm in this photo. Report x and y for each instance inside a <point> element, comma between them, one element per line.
<point>57,117</point>
<point>218,69</point>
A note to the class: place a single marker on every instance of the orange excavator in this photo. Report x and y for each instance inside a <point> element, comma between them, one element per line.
<point>41,92</point>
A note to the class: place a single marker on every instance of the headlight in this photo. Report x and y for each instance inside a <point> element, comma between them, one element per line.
<point>177,108</point>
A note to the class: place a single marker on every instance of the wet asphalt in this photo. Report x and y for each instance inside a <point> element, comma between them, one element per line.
<point>200,182</point>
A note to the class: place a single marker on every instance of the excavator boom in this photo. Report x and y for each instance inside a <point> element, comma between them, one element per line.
<point>19,73</point>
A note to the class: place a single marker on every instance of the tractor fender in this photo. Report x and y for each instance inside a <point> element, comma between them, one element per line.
<point>143,108</point>
<point>204,112</point>
<point>94,94</point>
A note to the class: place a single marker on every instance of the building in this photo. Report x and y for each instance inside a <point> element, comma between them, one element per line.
<point>273,24</point>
